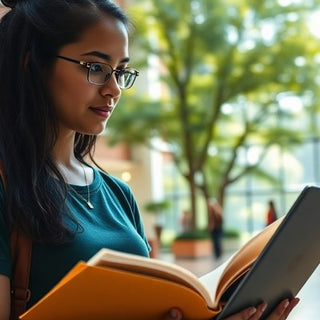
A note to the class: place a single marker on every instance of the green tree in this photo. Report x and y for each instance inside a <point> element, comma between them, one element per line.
<point>226,69</point>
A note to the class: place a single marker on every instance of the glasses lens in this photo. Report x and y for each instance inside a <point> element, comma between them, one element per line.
<point>126,78</point>
<point>99,73</point>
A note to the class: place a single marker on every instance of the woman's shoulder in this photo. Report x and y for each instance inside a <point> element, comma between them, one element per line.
<point>111,180</point>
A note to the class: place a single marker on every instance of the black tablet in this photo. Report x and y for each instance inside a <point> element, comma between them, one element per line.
<point>287,261</point>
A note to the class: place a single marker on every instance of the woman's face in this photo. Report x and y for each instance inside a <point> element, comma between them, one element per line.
<point>81,106</point>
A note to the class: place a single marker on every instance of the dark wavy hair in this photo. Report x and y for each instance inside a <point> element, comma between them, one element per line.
<point>31,34</point>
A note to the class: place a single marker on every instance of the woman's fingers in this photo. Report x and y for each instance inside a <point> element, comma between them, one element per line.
<point>245,314</point>
<point>282,311</point>
<point>260,310</point>
<point>289,308</point>
<point>279,310</point>
<point>174,314</point>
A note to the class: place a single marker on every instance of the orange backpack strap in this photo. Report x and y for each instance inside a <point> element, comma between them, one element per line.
<point>21,250</point>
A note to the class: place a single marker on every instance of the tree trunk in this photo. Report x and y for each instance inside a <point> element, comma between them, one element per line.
<point>193,202</point>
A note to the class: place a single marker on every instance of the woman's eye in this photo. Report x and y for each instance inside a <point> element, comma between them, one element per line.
<point>95,67</point>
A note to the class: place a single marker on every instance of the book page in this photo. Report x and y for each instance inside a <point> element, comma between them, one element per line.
<point>211,280</point>
<point>243,259</point>
<point>211,286</point>
<point>220,279</point>
<point>151,267</point>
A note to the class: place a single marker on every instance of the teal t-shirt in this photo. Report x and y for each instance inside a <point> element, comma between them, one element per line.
<point>113,223</point>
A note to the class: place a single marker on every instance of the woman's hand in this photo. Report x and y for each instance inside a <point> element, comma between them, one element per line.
<point>280,313</point>
<point>174,314</point>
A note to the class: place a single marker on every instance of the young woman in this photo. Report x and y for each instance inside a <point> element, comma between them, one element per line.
<point>63,66</point>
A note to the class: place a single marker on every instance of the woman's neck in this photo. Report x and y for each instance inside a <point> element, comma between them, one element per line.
<point>63,150</point>
<point>71,168</point>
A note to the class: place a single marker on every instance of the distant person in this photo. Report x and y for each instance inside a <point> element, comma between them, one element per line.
<point>185,221</point>
<point>271,213</point>
<point>215,226</point>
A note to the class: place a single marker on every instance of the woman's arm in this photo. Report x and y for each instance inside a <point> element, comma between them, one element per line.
<point>4,297</point>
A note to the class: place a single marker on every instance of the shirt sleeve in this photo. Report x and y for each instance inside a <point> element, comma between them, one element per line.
<point>134,210</point>
<point>136,215</point>
<point>138,220</point>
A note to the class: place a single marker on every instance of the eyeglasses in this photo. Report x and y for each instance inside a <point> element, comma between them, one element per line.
<point>99,73</point>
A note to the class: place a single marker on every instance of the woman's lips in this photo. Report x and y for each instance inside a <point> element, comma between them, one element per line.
<point>104,112</point>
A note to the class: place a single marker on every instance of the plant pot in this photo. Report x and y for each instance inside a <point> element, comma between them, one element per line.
<point>192,248</point>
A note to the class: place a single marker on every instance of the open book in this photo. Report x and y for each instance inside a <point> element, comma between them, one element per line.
<point>114,285</point>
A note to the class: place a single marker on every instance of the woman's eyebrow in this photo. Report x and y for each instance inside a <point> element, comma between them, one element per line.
<point>104,56</point>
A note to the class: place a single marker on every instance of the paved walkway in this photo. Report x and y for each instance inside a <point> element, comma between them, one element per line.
<point>307,309</point>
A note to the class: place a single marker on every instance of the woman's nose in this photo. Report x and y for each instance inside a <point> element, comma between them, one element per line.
<point>111,87</point>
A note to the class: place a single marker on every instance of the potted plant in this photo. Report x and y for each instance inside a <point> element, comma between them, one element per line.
<point>192,244</point>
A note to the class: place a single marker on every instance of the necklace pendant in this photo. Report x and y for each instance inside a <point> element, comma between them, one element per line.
<point>90,205</point>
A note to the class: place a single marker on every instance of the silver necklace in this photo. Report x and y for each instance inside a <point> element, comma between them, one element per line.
<point>87,201</point>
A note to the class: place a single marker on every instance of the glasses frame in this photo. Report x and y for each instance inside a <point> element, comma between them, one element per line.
<point>117,72</point>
